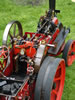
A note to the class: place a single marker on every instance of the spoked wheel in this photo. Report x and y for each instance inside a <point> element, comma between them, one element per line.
<point>69,52</point>
<point>4,55</point>
<point>53,81</point>
<point>58,82</point>
<point>4,52</point>
<point>12,31</point>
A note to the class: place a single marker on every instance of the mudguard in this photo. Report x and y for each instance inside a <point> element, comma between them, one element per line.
<point>59,41</point>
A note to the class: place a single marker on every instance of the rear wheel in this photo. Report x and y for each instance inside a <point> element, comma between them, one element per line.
<point>69,52</point>
<point>53,81</point>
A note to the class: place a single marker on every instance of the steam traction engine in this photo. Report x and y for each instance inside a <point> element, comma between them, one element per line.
<point>28,67</point>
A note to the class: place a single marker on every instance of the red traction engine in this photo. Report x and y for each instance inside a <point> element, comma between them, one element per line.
<point>29,68</point>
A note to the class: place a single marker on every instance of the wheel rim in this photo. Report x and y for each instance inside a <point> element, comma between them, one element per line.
<point>58,83</point>
<point>71,54</point>
<point>12,31</point>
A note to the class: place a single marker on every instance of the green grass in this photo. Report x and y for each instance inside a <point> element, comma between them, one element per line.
<point>29,15</point>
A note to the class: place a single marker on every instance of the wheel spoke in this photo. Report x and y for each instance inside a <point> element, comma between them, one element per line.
<point>0,56</point>
<point>71,54</point>
<point>11,36</point>
<point>54,92</point>
<point>70,60</point>
<point>4,55</point>
<point>6,51</point>
<point>57,79</point>
<point>14,32</point>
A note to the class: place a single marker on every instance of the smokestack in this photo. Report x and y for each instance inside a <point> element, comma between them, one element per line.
<point>52,5</point>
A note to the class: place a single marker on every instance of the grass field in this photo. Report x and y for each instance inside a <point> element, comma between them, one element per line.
<point>29,15</point>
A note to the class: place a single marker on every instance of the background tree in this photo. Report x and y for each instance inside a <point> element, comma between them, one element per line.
<point>32,2</point>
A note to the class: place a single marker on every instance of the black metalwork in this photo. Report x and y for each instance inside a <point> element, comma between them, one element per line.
<point>52,5</point>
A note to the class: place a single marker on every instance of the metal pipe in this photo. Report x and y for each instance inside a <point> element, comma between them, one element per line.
<point>52,5</point>
<point>50,45</point>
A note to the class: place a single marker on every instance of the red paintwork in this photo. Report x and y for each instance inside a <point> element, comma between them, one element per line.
<point>30,51</point>
<point>28,89</point>
<point>70,57</point>
<point>3,53</point>
<point>54,35</point>
<point>46,38</point>
<point>55,21</point>
<point>1,66</point>
<point>9,70</point>
<point>59,81</point>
